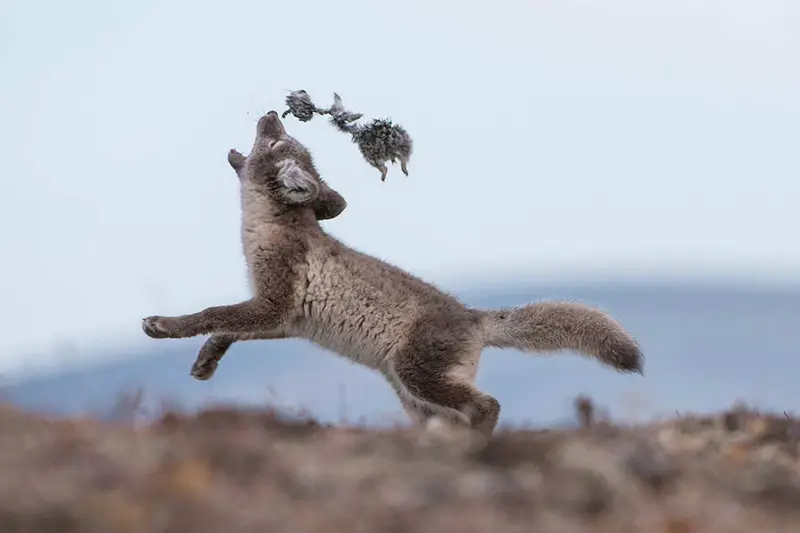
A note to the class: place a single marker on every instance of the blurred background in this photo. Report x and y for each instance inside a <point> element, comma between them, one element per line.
<point>637,155</point>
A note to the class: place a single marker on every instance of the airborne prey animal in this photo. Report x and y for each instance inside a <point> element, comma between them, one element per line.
<point>305,283</point>
<point>379,141</point>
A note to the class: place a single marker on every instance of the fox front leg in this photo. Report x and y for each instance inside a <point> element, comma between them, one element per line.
<point>251,316</point>
<point>214,349</point>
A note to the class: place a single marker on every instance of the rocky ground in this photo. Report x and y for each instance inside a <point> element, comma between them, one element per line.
<point>230,470</point>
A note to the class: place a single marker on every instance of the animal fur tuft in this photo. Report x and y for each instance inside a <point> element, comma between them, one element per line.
<point>301,107</point>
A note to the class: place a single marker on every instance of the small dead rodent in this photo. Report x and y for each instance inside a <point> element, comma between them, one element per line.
<point>380,141</point>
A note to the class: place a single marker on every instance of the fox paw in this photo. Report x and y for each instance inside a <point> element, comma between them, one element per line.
<point>157,327</point>
<point>204,368</point>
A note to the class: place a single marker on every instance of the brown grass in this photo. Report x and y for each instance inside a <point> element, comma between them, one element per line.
<point>228,470</point>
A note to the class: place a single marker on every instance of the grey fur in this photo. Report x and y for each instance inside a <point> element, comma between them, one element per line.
<point>341,117</point>
<point>379,141</point>
<point>307,284</point>
<point>301,107</point>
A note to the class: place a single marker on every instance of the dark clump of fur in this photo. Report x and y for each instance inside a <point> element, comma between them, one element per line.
<point>380,141</point>
<point>301,107</point>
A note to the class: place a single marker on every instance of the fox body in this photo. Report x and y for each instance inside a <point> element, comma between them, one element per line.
<point>306,283</point>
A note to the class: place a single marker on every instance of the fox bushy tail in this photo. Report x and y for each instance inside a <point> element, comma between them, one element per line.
<point>556,325</point>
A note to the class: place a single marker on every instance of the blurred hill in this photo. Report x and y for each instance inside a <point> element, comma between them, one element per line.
<point>705,348</point>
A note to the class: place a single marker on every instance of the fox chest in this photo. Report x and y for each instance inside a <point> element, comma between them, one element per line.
<point>252,251</point>
<point>275,266</point>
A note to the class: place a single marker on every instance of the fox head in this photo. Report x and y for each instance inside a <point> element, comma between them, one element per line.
<point>283,168</point>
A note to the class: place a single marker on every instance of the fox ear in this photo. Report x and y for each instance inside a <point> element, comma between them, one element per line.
<point>295,185</point>
<point>329,203</point>
<point>236,160</point>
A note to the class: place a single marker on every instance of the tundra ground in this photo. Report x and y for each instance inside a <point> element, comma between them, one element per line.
<point>232,470</point>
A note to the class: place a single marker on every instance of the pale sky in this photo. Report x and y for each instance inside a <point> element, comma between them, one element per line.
<point>554,139</point>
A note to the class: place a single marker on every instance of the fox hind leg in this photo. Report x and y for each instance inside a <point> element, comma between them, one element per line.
<point>443,392</point>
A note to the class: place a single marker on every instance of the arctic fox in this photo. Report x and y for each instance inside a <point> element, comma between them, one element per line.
<point>308,284</point>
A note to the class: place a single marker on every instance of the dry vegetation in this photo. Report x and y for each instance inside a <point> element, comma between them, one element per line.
<point>232,470</point>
